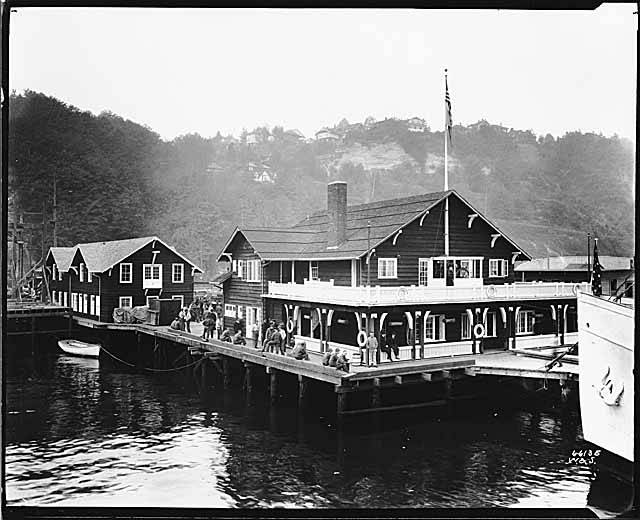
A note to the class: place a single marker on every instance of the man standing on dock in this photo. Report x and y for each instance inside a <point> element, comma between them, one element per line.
<point>372,349</point>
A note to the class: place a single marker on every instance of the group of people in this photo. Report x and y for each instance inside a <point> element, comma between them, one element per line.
<point>198,311</point>
<point>370,349</point>
<point>337,359</point>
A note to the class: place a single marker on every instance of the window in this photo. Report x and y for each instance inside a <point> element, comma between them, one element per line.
<point>149,298</point>
<point>177,273</point>
<point>468,268</point>
<point>82,272</point>
<point>98,305</point>
<point>525,322</point>
<point>229,311</point>
<point>240,268</point>
<point>65,299</point>
<point>178,297</point>
<point>423,271</point>
<point>498,268</point>
<point>125,301</point>
<point>434,328</point>
<point>250,270</point>
<point>53,297</point>
<point>59,275</point>
<point>126,273</point>
<point>54,272</point>
<point>613,286</point>
<point>465,326</point>
<point>438,268</point>
<point>234,266</point>
<point>387,268</point>
<point>314,271</point>
<point>92,305</point>
<point>490,325</point>
<point>152,276</point>
<point>74,301</point>
<point>89,276</point>
<point>85,303</point>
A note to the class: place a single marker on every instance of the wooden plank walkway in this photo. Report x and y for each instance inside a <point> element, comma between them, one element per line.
<point>519,365</point>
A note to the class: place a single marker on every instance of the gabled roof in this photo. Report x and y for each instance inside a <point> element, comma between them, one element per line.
<point>575,263</point>
<point>307,240</point>
<point>62,256</point>
<point>100,256</point>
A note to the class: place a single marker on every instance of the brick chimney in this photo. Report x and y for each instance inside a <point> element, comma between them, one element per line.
<point>337,213</point>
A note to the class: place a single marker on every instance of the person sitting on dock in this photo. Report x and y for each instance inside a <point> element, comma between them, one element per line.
<point>342,363</point>
<point>300,351</point>
<point>238,338</point>
<point>175,324</point>
<point>333,360</point>
<point>327,357</point>
<point>226,335</point>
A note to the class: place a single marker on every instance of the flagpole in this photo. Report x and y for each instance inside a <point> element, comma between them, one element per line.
<point>446,170</point>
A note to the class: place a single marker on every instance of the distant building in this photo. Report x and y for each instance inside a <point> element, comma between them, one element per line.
<point>369,122</point>
<point>416,124</point>
<point>618,274</point>
<point>261,173</point>
<point>95,278</point>
<point>293,135</point>
<point>325,134</point>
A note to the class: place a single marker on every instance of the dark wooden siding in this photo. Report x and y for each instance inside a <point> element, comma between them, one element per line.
<point>73,277</point>
<point>237,291</point>
<point>338,270</point>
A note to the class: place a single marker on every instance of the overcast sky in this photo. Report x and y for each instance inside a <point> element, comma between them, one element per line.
<point>203,70</point>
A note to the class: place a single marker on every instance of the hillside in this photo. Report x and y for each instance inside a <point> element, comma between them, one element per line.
<point>118,179</point>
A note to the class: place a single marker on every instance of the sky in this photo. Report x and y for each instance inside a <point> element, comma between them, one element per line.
<point>182,71</point>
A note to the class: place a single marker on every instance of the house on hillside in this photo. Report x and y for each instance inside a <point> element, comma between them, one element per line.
<point>429,268</point>
<point>617,277</point>
<point>293,135</point>
<point>95,278</point>
<point>324,134</point>
<point>416,124</point>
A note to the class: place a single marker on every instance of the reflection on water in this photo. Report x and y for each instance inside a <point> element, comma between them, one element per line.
<point>79,435</point>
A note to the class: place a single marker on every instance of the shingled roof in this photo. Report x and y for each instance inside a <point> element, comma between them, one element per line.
<point>575,263</point>
<point>100,256</point>
<point>307,240</point>
<point>62,256</point>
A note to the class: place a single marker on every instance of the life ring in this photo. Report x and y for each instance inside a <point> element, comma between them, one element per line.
<point>490,291</point>
<point>362,338</point>
<point>290,326</point>
<point>576,288</point>
<point>479,331</point>
<point>402,293</point>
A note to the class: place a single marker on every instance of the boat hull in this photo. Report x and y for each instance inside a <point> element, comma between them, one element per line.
<point>79,348</point>
<point>605,336</point>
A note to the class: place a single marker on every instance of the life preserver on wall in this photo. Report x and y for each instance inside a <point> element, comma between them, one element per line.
<point>290,326</point>
<point>401,293</point>
<point>576,288</point>
<point>362,338</point>
<point>479,331</point>
<point>490,291</point>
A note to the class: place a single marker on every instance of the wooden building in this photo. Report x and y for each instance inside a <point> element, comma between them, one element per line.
<point>429,268</point>
<point>95,278</point>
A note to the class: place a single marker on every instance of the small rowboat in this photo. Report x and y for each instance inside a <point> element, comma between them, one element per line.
<point>79,348</point>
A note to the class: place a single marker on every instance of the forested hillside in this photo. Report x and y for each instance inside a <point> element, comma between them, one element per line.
<point>118,179</point>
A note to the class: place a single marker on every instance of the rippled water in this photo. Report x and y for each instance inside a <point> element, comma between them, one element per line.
<point>80,435</point>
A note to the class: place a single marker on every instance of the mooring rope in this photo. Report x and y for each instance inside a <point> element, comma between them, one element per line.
<point>150,369</point>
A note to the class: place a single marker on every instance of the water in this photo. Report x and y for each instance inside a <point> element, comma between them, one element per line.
<point>78,435</point>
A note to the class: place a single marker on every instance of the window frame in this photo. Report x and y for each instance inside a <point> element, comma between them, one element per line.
<point>173,273</point>
<point>387,261</point>
<point>314,270</point>
<point>423,262</point>
<point>230,310</point>
<point>442,329</point>
<point>532,322</point>
<point>465,323</point>
<point>120,298</point>
<point>501,266</point>
<point>490,315</point>
<point>178,297</point>
<point>81,272</point>
<point>130,265</point>
<point>152,298</point>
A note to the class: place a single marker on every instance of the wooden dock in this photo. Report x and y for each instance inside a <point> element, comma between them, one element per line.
<point>442,371</point>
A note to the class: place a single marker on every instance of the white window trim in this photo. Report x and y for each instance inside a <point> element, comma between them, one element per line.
<point>498,262</point>
<point>443,328</point>
<point>393,262</point>
<point>491,316</point>
<point>464,316</point>
<point>533,323</point>
<point>125,298</point>
<point>89,276</point>
<point>426,262</point>
<point>81,272</point>
<point>130,272</point>
<point>152,298</point>
<point>92,305</point>
<point>230,310</point>
<point>313,266</point>
<point>98,305</point>
<point>173,273</point>
<point>179,297</point>
<point>471,259</point>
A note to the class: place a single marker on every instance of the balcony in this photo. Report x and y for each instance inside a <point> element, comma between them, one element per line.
<point>327,292</point>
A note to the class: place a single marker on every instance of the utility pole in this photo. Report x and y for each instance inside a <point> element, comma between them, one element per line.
<point>588,257</point>
<point>44,228</point>
<point>368,253</point>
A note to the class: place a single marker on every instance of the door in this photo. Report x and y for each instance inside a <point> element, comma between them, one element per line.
<point>450,273</point>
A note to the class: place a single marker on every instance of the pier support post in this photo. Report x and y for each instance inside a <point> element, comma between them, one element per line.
<point>273,384</point>
<point>341,402</point>
<point>376,396</point>
<point>303,386</point>
<point>226,372</point>
<point>248,380</point>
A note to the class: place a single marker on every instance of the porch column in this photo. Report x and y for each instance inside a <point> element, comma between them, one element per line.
<point>420,330</point>
<point>377,332</point>
<point>328,322</point>
<point>554,317</point>
<point>416,321</point>
<point>564,323</point>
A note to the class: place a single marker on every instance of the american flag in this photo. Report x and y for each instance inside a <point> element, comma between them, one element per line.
<point>596,277</point>
<point>447,105</point>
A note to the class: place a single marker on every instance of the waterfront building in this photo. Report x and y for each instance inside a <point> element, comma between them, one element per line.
<point>429,268</point>
<point>617,275</point>
<point>95,278</point>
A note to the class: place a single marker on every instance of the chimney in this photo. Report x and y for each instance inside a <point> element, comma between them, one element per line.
<point>337,213</point>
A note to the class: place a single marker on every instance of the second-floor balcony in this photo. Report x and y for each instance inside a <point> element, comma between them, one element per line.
<point>327,292</point>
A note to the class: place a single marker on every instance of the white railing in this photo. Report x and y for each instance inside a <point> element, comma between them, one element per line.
<point>326,292</point>
<point>545,340</point>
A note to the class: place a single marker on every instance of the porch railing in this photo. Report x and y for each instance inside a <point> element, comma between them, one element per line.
<point>327,292</point>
